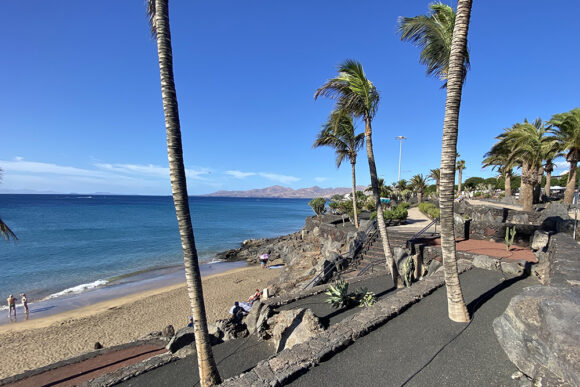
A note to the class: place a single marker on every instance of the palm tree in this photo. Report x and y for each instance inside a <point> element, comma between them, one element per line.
<point>566,126</point>
<point>456,74</point>
<point>356,94</point>
<point>5,231</point>
<point>419,183</point>
<point>435,174</point>
<point>500,157</point>
<point>433,33</point>
<point>338,133</point>
<point>530,146</point>
<point>460,167</point>
<point>159,20</point>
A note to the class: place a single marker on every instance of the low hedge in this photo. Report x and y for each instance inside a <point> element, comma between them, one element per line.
<point>429,209</point>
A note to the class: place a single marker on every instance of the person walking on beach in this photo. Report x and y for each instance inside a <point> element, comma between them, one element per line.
<point>24,303</point>
<point>11,306</point>
<point>264,259</point>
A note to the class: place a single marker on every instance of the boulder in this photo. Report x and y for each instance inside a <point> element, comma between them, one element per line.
<point>486,262</point>
<point>98,345</point>
<point>540,240</point>
<point>182,338</point>
<point>540,333</point>
<point>169,331</point>
<point>257,318</point>
<point>399,255</point>
<point>516,268</point>
<point>295,326</point>
<point>230,329</point>
<point>433,267</point>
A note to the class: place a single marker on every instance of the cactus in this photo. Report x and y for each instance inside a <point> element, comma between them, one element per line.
<point>509,237</point>
<point>408,270</point>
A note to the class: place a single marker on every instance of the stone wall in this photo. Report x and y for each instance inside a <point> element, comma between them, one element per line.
<point>540,329</point>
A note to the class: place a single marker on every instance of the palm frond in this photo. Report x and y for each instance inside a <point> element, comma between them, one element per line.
<point>6,232</point>
<point>151,17</point>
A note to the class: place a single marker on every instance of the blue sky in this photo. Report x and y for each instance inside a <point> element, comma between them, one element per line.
<point>80,101</point>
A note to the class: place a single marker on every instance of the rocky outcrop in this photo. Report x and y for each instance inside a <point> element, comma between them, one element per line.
<point>183,343</point>
<point>540,329</point>
<point>256,320</point>
<point>540,332</point>
<point>292,327</point>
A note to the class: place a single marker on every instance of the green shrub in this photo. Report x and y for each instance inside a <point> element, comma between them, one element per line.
<point>429,209</point>
<point>318,205</point>
<point>404,205</point>
<point>477,194</point>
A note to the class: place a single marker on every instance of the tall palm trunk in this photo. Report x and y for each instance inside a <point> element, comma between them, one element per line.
<point>419,197</point>
<point>548,186</point>
<point>208,372</point>
<point>539,173</point>
<point>352,163</point>
<point>390,262</point>
<point>571,185</point>
<point>459,177</point>
<point>508,184</point>
<point>455,302</point>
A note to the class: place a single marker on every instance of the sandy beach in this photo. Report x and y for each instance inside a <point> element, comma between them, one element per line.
<point>36,343</point>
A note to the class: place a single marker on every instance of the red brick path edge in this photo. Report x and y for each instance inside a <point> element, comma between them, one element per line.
<point>77,373</point>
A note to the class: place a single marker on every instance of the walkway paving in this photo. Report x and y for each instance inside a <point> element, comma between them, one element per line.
<point>400,351</point>
<point>416,221</point>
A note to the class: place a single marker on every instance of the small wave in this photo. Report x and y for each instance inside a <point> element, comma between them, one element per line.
<point>78,289</point>
<point>3,307</point>
<point>213,260</point>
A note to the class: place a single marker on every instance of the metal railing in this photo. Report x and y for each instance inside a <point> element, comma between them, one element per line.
<point>423,230</point>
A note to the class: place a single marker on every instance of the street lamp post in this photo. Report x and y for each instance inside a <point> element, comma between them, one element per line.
<point>400,138</point>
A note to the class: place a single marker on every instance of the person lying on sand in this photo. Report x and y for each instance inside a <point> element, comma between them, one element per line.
<point>255,297</point>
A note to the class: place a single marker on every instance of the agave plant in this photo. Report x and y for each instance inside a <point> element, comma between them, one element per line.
<point>367,299</point>
<point>338,296</point>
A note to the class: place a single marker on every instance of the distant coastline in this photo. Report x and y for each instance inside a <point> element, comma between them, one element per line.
<point>279,192</point>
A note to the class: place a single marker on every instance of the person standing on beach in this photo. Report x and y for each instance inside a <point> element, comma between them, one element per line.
<point>11,306</point>
<point>264,259</point>
<point>24,303</point>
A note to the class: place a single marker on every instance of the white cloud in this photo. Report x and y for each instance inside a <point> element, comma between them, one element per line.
<point>279,178</point>
<point>150,170</point>
<point>320,179</point>
<point>240,174</point>
<point>562,165</point>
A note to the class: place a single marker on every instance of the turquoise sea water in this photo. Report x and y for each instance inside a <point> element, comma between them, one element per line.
<point>70,244</point>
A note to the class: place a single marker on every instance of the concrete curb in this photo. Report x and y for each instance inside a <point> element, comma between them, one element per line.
<point>290,363</point>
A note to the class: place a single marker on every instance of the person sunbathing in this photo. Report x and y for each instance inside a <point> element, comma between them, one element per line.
<point>255,297</point>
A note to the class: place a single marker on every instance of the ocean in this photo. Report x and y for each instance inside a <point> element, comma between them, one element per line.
<point>71,244</point>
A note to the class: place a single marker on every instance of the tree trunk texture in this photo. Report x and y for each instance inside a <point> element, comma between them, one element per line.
<point>419,197</point>
<point>455,302</point>
<point>390,262</point>
<point>548,185</point>
<point>508,184</point>
<point>571,185</point>
<point>208,372</point>
<point>459,177</point>
<point>538,186</point>
<point>354,194</point>
<point>529,179</point>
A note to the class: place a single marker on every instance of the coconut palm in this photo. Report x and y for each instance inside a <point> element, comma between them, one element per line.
<point>355,94</point>
<point>159,20</point>
<point>338,133</point>
<point>566,126</point>
<point>460,167</point>
<point>435,174</point>
<point>457,59</point>
<point>433,33</point>
<point>500,158</point>
<point>530,146</point>
<point>418,184</point>
<point>5,231</point>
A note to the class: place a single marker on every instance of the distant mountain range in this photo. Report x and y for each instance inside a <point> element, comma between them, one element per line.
<point>277,191</point>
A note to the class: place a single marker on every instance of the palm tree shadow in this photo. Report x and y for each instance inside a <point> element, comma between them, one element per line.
<point>477,303</point>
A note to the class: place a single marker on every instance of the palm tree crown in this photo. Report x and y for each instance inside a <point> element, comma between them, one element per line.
<point>338,133</point>
<point>433,33</point>
<point>351,89</point>
<point>566,127</point>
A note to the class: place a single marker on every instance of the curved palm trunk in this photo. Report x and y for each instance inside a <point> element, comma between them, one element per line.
<point>208,373</point>
<point>455,302</point>
<point>390,262</point>
<point>354,194</point>
<point>508,184</point>
<point>571,185</point>
<point>459,177</point>
<point>419,197</point>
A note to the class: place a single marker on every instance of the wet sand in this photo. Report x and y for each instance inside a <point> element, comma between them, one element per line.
<point>39,342</point>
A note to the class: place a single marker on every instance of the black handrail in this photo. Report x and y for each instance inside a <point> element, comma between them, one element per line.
<point>427,227</point>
